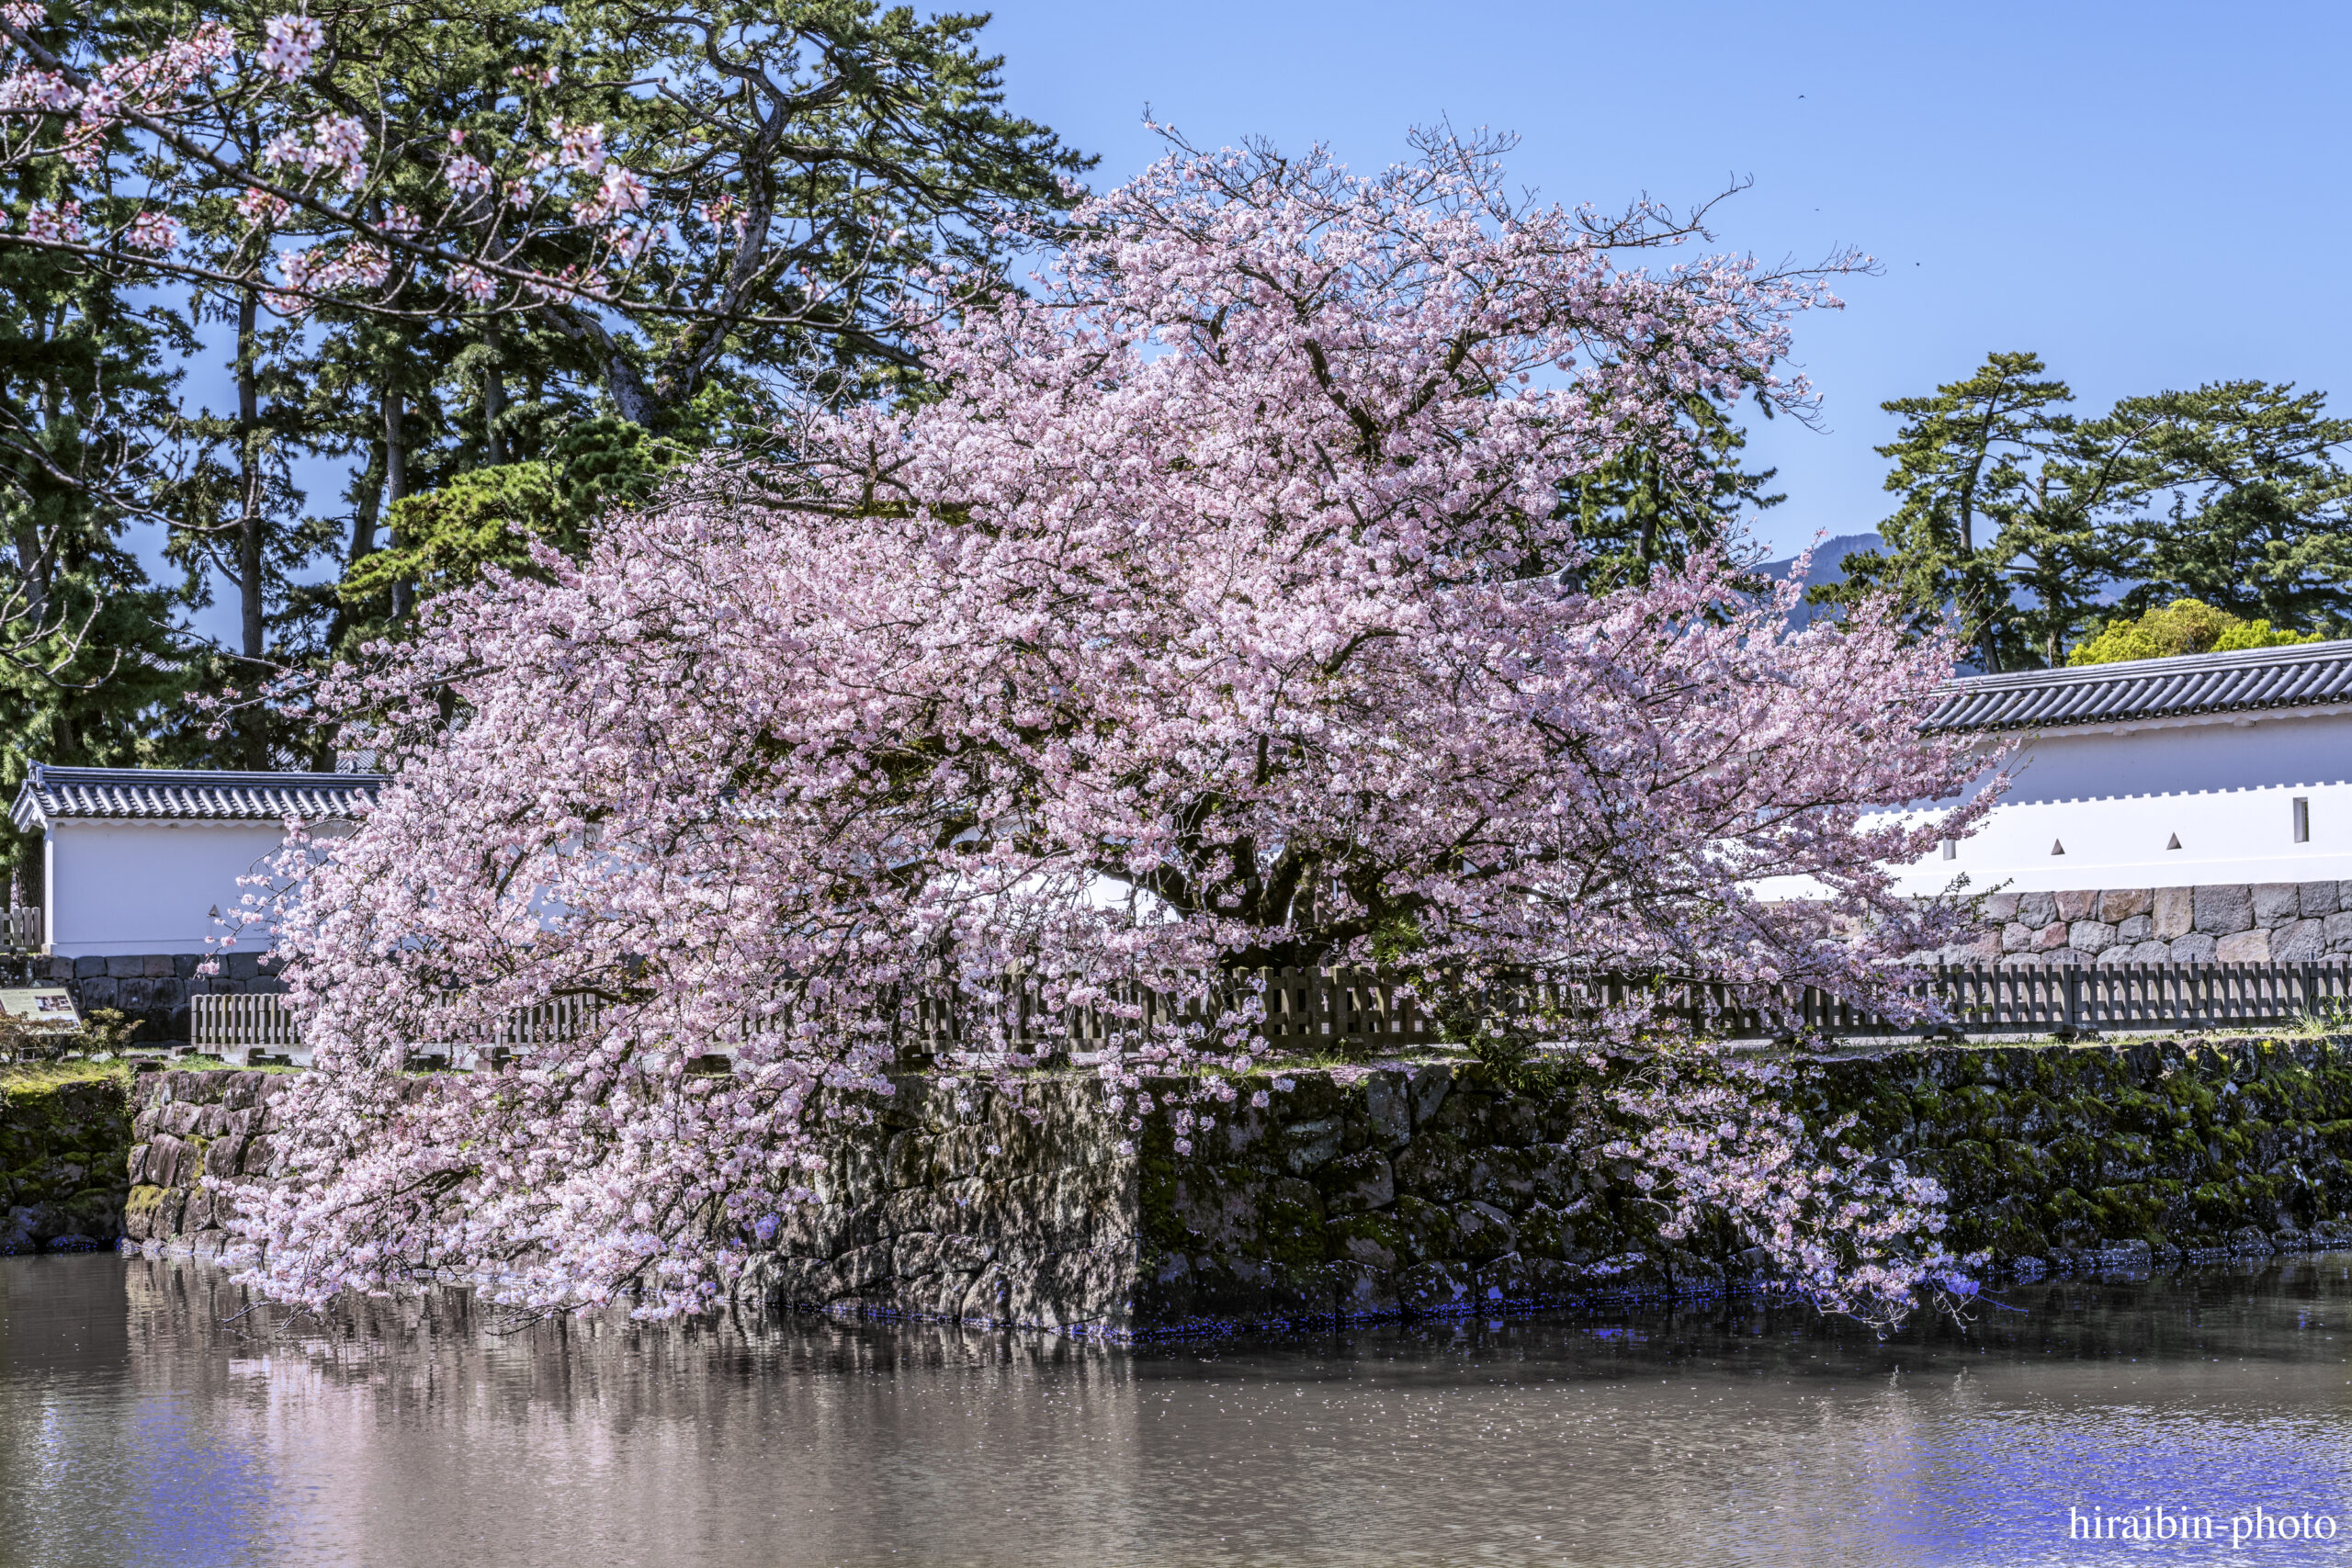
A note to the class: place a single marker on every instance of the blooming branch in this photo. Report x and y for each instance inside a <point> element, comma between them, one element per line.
<point>1218,614</point>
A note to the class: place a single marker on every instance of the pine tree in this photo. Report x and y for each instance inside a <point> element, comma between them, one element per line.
<point>1635,514</point>
<point>2259,520</point>
<point>2002,492</point>
<point>88,654</point>
<point>812,159</point>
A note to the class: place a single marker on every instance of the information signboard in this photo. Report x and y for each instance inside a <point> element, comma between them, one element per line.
<point>43,1006</point>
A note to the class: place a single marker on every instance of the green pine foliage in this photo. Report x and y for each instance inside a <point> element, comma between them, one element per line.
<point>89,658</point>
<point>856,144</point>
<point>2017,518</point>
<point>1638,514</point>
<point>2257,517</point>
<point>497,516</point>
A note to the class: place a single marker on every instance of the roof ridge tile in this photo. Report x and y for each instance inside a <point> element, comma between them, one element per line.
<point>2303,675</point>
<point>51,794</point>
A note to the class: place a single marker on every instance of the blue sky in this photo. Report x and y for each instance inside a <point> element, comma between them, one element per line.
<point>2148,195</point>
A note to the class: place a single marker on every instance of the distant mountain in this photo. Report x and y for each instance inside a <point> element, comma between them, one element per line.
<point>1828,566</point>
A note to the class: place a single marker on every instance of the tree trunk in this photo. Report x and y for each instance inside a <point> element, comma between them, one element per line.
<point>35,555</point>
<point>396,486</point>
<point>493,394</point>
<point>631,395</point>
<point>632,399</point>
<point>33,561</point>
<point>254,626</point>
<point>369,505</point>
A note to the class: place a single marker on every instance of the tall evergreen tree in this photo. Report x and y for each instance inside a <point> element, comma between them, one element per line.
<point>2001,492</point>
<point>89,655</point>
<point>2259,516</point>
<point>810,168</point>
<point>1637,514</point>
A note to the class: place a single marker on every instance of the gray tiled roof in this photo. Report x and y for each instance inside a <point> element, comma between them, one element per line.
<point>2150,688</point>
<point>51,794</point>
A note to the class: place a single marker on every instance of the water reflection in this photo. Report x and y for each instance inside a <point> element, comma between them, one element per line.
<point>143,1420</point>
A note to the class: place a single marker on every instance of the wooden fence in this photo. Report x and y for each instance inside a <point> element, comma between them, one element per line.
<point>264,1025</point>
<point>20,929</point>
<point>2140,997</point>
<point>256,1025</point>
<point>1359,1011</point>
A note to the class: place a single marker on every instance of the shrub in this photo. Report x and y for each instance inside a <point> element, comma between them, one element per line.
<point>2185,625</point>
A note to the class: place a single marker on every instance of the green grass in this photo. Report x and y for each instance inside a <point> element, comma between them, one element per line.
<point>2330,1018</point>
<point>37,1077</point>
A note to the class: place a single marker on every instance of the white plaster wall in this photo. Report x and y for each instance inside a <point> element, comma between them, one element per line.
<point>2226,788</point>
<point>119,887</point>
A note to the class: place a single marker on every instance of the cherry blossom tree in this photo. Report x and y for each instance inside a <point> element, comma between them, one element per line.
<point>1219,612</point>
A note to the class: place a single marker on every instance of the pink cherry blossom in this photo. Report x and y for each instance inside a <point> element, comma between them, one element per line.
<point>261,207</point>
<point>57,220</point>
<point>154,232</point>
<point>475,284</point>
<point>467,176</point>
<point>322,269</point>
<point>1717,1135</point>
<point>292,41</point>
<point>327,168</point>
<point>31,88</point>
<point>578,147</point>
<point>619,192</point>
<point>336,145</point>
<point>1219,613</point>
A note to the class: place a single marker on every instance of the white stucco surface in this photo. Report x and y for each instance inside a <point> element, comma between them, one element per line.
<point>116,887</point>
<point>2115,798</point>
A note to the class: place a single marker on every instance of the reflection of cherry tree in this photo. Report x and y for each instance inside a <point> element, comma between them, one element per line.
<point>1842,1228</point>
<point>1226,574</point>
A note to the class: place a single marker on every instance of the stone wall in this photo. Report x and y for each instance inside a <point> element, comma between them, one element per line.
<point>65,1142</point>
<point>2264,922</point>
<point>1427,1188</point>
<point>152,988</point>
<point>191,1127</point>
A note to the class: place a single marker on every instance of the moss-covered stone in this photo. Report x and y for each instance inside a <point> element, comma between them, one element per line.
<point>1290,1223</point>
<point>65,1155</point>
<point>1377,1239</point>
<point>1078,1220</point>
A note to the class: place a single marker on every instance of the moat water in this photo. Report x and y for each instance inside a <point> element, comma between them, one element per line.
<point>140,1424</point>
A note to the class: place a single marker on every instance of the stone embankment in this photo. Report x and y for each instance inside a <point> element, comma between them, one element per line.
<point>2264,922</point>
<point>64,1148</point>
<point>1428,1188</point>
<point>155,989</point>
<point>152,989</point>
<point>192,1129</point>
